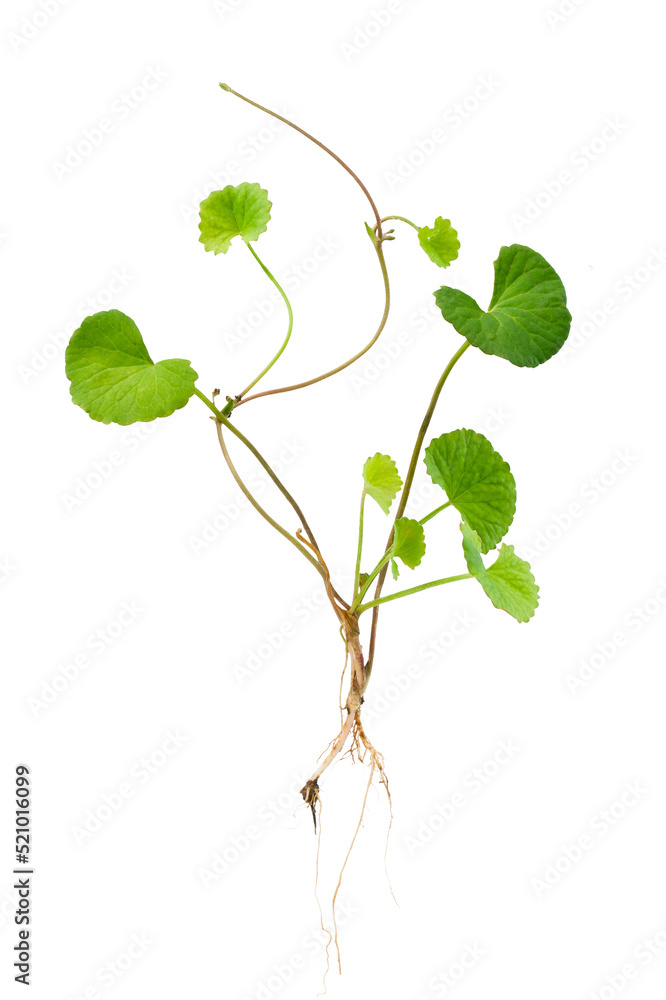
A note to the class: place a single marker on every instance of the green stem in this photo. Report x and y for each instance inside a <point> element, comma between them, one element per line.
<point>436,511</point>
<point>289,327</point>
<point>401,218</point>
<point>380,565</point>
<point>406,490</point>
<point>221,417</point>
<point>357,571</point>
<point>209,404</point>
<point>257,506</point>
<point>412,590</point>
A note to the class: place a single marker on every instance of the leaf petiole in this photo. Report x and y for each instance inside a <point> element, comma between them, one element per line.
<point>435,511</point>
<point>257,506</point>
<point>380,565</point>
<point>412,590</point>
<point>400,218</point>
<point>359,551</point>
<point>208,402</point>
<point>289,327</point>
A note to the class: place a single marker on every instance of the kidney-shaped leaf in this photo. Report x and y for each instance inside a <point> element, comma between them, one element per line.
<point>243,211</point>
<point>114,379</point>
<point>508,582</point>
<point>527,320</point>
<point>381,480</point>
<point>409,542</point>
<point>477,481</point>
<point>441,243</point>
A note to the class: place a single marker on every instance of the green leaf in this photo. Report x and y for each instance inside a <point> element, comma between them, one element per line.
<point>527,320</point>
<point>409,542</point>
<point>234,211</point>
<point>114,379</point>
<point>508,582</point>
<point>477,481</point>
<point>440,243</point>
<point>382,481</point>
<point>395,572</point>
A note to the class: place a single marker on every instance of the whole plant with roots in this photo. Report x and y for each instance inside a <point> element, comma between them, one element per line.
<point>114,379</point>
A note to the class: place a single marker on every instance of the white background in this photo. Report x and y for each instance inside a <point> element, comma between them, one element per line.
<point>519,96</point>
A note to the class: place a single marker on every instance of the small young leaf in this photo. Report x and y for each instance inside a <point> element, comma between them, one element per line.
<point>234,211</point>
<point>527,320</point>
<point>382,481</point>
<point>114,379</point>
<point>409,542</point>
<point>440,243</point>
<point>508,582</point>
<point>395,572</point>
<point>477,481</point>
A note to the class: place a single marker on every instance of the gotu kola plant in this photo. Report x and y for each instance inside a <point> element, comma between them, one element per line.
<point>114,379</point>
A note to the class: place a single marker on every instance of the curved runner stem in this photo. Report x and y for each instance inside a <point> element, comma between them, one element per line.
<point>257,506</point>
<point>377,244</point>
<point>220,417</point>
<point>317,142</point>
<point>359,354</point>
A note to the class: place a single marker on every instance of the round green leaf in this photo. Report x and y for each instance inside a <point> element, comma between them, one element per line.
<point>477,481</point>
<point>381,480</point>
<point>408,542</point>
<point>242,211</point>
<point>114,379</point>
<point>527,320</point>
<point>508,582</point>
<point>440,243</point>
